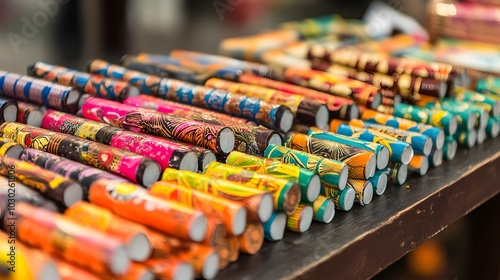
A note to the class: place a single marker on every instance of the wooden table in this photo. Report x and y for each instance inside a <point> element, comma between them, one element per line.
<point>361,243</point>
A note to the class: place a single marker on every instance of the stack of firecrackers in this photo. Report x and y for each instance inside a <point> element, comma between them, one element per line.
<point>171,166</point>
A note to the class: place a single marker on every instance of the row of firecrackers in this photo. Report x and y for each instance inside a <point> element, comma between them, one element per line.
<point>122,181</point>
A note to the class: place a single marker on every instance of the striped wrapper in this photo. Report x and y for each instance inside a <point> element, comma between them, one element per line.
<point>305,178</point>
<point>250,197</point>
<point>436,134</point>
<point>249,138</point>
<point>93,84</point>
<point>166,153</point>
<point>129,165</point>
<point>399,151</point>
<point>58,236</point>
<point>361,163</point>
<point>339,107</point>
<point>54,186</point>
<point>24,88</point>
<point>229,212</point>
<point>301,219</point>
<point>221,101</point>
<point>306,110</point>
<point>362,93</point>
<point>286,193</point>
<point>331,172</point>
<point>135,203</point>
<point>150,122</point>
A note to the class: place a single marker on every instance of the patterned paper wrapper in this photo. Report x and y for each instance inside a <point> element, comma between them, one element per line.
<point>320,207</point>
<point>399,151</point>
<point>168,154</point>
<point>407,86</point>
<point>168,247</point>
<point>455,105</point>
<point>419,164</point>
<point>229,212</point>
<point>362,93</point>
<point>330,171</point>
<point>93,84</point>
<point>150,122</point>
<point>54,186</point>
<point>339,107</point>
<point>304,109</point>
<point>273,229</point>
<point>369,146</point>
<point>286,193</point>
<point>10,148</point>
<point>466,116</point>
<point>343,199</point>
<point>421,144</point>
<point>490,84</point>
<point>294,221</point>
<point>397,173</point>
<point>103,220</point>
<point>134,203</point>
<point>60,237</point>
<point>436,134</point>
<point>493,127</point>
<point>250,197</point>
<point>361,163</point>
<point>275,168</point>
<point>24,88</point>
<point>364,190</point>
<point>489,103</point>
<point>29,113</point>
<point>221,101</point>
<point>248,138</point>
<point>252,239</point>
<point>129,165</point>
<point>83,174</point>
<point>466,138</point>
<point>163,268</point>
<point>167,69</point>
<point>8,110</point>
<point>373,63</point>
<point>205,156</point>
<point>438,118</point>
<point>27,263</point>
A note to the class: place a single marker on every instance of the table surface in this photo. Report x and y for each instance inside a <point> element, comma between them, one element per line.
<point>362,242</point>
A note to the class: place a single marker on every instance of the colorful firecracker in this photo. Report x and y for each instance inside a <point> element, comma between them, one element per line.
<point>9,148</point>
<point>8,110</point>
<point>24,88</point>
<point>274,228</point>
<point>133,167</point>
<point>93,84</point>
<point>135,203</point>
<point>29,114</point>
<point>324,209</point>
<point>217,138</point>
<point>286,193</point>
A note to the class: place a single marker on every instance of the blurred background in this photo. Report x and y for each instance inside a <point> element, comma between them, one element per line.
<point>74,31</point>
<point>71,32</point>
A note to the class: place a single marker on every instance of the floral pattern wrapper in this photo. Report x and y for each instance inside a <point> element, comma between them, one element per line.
<point>248,138</point>
<point>135,203</point>
<point>214,137</point>
<point>166,153</point>
<point>93,84</point>
<point>286,193</point>
<point>24,88</point>
<point>231,213</point>
<point>361,163</point>
<point>54,186</point>
<point>250,197</point>
<point>333,173</point>
<point>58,236</point>
<point>221,101</point>
<point>305,178</point>
<point>437,135</point>
<point>129,165</point>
